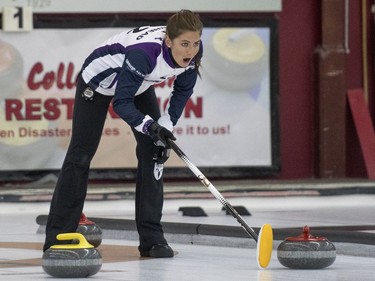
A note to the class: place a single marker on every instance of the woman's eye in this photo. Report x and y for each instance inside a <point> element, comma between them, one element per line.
<point>184,44</point>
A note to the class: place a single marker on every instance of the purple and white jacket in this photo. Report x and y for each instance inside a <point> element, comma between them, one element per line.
<point>130,62</point>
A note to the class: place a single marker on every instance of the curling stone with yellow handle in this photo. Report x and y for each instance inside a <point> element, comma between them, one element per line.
<point>72,260</point>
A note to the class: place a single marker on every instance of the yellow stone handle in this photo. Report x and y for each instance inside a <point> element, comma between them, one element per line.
<point>82,242</point>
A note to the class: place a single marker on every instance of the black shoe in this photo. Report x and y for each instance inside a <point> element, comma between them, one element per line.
<point>158,251</point>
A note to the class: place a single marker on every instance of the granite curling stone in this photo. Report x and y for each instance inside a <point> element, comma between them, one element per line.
<point>72,260</point>
<point>306,251</point>
<point>90,230</point>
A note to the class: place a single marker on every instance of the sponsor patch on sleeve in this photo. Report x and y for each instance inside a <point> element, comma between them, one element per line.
<point>133,69</point>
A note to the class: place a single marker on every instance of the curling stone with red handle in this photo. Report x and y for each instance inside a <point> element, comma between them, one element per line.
<point>306,251</point>
<point>90,230</point>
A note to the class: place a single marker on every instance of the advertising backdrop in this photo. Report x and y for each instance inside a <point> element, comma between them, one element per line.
<point>229,122</point>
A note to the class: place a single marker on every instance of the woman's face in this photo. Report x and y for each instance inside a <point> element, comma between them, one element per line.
<point>184,47</point>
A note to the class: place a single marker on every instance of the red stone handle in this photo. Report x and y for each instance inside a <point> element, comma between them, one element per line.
<point>305,236</point>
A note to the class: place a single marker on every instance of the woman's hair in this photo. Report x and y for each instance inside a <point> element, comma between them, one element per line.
<point>182,22</point>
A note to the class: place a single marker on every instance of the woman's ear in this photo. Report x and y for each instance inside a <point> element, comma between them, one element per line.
<point>168,41</point>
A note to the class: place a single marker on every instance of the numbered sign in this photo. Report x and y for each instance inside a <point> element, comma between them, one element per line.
<point>17,19</point>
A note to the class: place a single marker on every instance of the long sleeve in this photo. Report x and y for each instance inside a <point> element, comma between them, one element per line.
<point>135,68</point>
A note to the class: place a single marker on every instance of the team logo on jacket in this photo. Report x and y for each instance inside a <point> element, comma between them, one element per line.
<point>158,171</point>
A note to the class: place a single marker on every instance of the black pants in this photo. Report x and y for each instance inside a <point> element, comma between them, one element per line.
<point>71,188</point>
